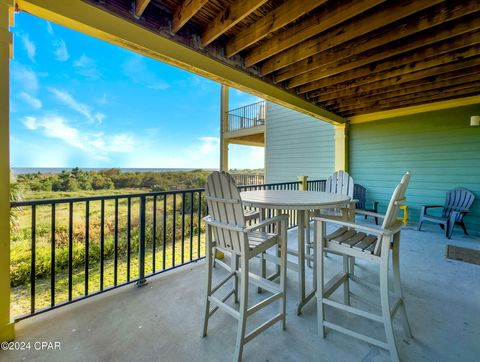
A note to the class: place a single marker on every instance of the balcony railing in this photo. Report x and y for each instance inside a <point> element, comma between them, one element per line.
<point>245,179</point>
<point>248,116</point>
<point>80,247</point>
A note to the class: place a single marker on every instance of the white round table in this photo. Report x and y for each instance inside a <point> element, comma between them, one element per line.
<point>303,202</point>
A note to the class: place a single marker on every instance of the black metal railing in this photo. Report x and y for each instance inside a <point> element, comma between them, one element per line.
<point>80,247</point>
<point>316,185</point>
<point>244,179</point>
<point>248,116</point>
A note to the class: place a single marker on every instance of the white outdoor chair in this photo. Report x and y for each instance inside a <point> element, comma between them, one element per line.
<point>341,183</point>
<point>227,232</point>
<point>368,243</point>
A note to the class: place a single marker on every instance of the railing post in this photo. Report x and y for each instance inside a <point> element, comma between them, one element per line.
<point>303,183</point>
<point>141,257</point>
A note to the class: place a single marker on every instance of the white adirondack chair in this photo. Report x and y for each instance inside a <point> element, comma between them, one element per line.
<point>228,232</point>
<point>340,182</point>
<point>372,244</point>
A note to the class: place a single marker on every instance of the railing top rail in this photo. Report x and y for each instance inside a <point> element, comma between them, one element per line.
<point>127,196</point>
<point>248,105</point>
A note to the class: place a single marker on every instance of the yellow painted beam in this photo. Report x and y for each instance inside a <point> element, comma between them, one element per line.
<point>7,332</point>
<point>341,147</point>
<point>407,111</point>
<point>89,19</point>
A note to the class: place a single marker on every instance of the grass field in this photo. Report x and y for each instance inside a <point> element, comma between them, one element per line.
<point>21,245</point>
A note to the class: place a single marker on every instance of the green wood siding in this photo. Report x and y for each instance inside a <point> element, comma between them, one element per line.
<point>297,144</point>
<point>440,148</point>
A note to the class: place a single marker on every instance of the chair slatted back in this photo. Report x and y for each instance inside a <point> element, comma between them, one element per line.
<point>225,207</point>
<point>340,183</point>
<point>398,197</point>
<point>360,194</point>
<point>458,198</point>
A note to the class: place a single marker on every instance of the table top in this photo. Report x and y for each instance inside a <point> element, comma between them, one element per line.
<point>293,199</point>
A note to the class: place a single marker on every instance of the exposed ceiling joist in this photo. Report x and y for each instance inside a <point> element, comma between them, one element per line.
<point>140,6</point>
<point>231,16</point>
<point>442,13</point>
<point>185,12</point>
<point>326,18</point>
<point>278,18</point>
<point>346,32</point>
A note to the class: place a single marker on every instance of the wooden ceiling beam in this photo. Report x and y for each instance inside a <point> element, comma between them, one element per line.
<point>403,100</point>
<point>365,74</point>
<point>346,32</point>
<point>466,80</point>
<point>231,16</point>
<point>438,15</point>
<point>459,94</point>
<point>440,39</point>
<point>331,15</point>
<point>362,91</point>
<point>274,20</point>
<point>140,6</point>
<point>185,12</point>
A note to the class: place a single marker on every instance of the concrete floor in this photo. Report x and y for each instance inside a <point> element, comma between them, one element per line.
<point>162,321</point>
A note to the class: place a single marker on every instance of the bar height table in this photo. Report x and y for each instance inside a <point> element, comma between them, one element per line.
<point>302,202</point>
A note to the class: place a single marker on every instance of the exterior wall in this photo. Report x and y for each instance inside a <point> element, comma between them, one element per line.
<point>440,149</point>
<point>297,144</point>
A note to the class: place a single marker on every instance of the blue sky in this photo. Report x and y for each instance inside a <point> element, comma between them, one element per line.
<point>78,101</point>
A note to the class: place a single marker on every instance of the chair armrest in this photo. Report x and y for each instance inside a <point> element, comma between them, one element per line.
<point>209,221</point>
<point>426,207</point>
<point>261,224</point>
<point>367,229</point>
<point>369,213</point>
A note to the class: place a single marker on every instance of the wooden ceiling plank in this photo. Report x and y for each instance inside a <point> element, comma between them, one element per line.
<point>438,15</point>
<point>231,16</point>
<point>345,32</point>
<point>361,91</point>
<point>402,91</point>
<point>185,12</point>
<point>140,6</point>
<point>332,15</point>
<point>442,96</point>
<point>274,20</point>
<point>441,40</point>
<point>366,75</point>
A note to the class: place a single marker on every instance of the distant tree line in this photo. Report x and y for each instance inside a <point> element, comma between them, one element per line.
<point>109,179</point>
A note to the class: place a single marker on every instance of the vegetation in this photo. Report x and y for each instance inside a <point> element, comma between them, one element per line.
<point>179,231</point>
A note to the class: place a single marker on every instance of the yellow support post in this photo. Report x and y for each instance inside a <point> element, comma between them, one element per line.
<point>303,183</point>
<point>223,128</point>
<point>7,332</point>
<point>341,147</point>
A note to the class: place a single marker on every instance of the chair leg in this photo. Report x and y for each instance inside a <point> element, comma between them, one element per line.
<point>462,224</point>
<point>346,284</point>
<point>242,322</point>
<point>398,285</point>
<point>263,269</point>
<point>209,286</point>
<point>387,319</point>
<point>376,221</point>
<point>320,232</point>
<point>283,276</point>
<point>420,224</point>
<point>234,267</point>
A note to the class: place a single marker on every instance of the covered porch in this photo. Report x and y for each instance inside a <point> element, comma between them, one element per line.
<point>162,321</point>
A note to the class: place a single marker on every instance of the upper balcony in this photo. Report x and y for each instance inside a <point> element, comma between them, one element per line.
<point>246,125</point>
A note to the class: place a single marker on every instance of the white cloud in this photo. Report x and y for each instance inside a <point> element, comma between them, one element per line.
<point>136,70</point>
<point>97,145</point>
<point>26,77</point>
<point>31,101</point>
<point>87,67</point>
<point>49,28</point>
<point>79,107</point>
<point>61,51</point>
<point>29,46</point>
